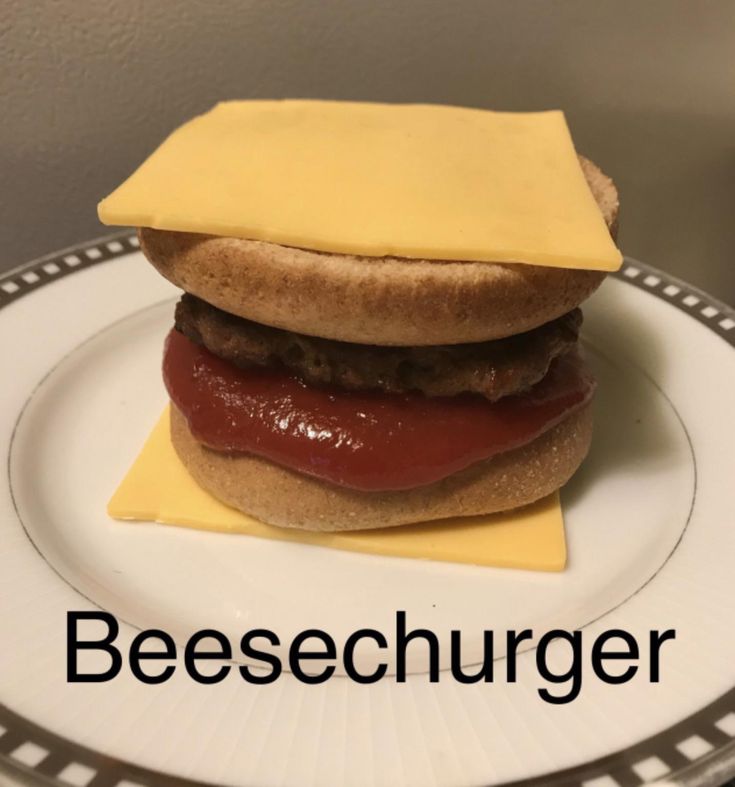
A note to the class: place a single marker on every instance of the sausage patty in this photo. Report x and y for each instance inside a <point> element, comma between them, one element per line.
<point>493,369</point>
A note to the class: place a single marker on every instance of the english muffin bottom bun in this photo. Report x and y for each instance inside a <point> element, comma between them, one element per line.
<point>284,497</point>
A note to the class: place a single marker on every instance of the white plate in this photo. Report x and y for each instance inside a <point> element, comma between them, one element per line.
<point>651,541</point>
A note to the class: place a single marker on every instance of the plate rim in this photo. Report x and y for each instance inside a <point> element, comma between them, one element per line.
<point>719,762</point>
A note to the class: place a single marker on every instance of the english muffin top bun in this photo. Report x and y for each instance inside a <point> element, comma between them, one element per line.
<point>368,300</point>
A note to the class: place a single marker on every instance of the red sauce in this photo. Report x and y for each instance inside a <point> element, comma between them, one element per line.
<point>364,440</point>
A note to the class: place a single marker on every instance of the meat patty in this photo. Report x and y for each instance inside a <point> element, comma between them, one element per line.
<point>493,369</point>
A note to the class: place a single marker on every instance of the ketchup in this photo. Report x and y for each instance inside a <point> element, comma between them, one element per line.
<point>368,440</point>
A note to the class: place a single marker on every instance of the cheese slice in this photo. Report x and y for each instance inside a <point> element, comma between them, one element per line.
<point>410,180</point>
<point>158,488</point>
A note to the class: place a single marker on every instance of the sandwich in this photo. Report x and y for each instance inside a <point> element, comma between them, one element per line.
<point>378,379</point>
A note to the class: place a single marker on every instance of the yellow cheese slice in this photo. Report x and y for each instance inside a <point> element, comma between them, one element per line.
<point>411,180</point>
<point>159,488</point>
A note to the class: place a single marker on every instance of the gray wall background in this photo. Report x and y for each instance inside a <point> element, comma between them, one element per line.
<point>89,88</point>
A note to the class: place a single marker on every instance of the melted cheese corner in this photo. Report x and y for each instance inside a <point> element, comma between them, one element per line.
<point>158,488</point>
<point>409,180</point>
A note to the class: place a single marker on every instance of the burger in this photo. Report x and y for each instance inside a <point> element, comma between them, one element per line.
<point>335,391</point>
